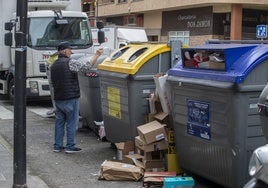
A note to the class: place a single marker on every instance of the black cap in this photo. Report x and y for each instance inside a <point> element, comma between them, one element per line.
<point>64,45</point>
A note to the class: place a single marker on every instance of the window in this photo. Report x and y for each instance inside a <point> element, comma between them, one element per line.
<point>131,20</point>
<point>183,36</point>
<point>46,32</point>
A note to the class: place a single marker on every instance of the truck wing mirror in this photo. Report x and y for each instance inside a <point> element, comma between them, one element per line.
<point>99,24</point>
<point>8,39</point>
<point>101,37</point>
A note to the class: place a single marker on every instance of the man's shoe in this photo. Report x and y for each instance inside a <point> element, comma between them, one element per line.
<point>74,150</point>
<point>51,112</point>
<point>58,150</point>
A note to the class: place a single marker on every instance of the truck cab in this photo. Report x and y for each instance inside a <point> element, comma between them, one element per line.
<point>46,29</point>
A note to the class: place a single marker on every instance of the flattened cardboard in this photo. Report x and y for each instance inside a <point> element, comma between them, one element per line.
<point>155,146</point>
<point>152,132</point>
<point>130,159</point>
<point>157,176</point>
<point>163,91</point>
<point>111,170</point>
<point>152,98</point>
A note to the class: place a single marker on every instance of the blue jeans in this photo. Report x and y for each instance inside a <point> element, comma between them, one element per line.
<point>67,113</point>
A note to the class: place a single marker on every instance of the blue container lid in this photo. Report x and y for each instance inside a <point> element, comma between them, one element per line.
<point>237,71</point>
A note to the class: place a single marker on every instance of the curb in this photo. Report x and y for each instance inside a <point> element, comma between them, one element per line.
<point>34,181</point>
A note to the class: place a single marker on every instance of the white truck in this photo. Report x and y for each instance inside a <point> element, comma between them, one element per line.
<point>49,23</point>
<point>119,36</point>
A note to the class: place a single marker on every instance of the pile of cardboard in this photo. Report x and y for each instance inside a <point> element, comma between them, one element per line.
<point>124,168</point>
<point>156,179</point>
<point>153,150</point>
<point>151,143</point>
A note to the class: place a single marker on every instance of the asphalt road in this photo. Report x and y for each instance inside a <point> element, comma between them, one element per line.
<point>60,170</point>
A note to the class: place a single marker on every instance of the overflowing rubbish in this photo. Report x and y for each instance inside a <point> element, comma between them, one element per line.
<point>101,130</point>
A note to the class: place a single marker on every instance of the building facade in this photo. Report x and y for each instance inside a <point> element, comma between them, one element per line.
<point>193,22</point>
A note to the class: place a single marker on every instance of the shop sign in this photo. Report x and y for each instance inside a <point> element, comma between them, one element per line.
<point>197,20</point>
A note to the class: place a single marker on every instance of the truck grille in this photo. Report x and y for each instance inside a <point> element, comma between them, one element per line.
<point>42,67</point>
<point>45,87</point>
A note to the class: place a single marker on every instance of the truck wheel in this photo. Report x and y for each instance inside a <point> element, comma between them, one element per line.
<point>11,90</point>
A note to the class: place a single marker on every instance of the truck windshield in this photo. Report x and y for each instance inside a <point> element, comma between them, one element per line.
<point>45,32</point>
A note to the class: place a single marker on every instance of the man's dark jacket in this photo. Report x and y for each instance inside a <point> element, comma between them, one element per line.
<point>64,81</point>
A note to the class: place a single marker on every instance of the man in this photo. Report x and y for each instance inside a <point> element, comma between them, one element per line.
<point>64,79</point>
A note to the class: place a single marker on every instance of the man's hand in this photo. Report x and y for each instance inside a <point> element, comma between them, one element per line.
<point>99,51</point>
<point>96,56</point>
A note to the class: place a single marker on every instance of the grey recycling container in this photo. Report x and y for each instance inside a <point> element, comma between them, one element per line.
<point>263,111</point>
<point>126,81</point>
<point>215,90</point>
<point>90,96</point>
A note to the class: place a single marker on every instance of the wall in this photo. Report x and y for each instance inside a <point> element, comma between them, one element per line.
<point>108,9</point>
<point>153,19</point>
<point>152,23</point>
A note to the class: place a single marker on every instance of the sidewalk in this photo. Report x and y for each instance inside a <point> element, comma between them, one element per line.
<point>6,168</point>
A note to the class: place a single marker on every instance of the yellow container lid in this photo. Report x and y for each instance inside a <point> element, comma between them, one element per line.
<point>129,59</point>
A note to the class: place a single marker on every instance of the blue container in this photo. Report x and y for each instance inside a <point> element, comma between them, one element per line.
<point>215,114</point>
<point>178,182</point>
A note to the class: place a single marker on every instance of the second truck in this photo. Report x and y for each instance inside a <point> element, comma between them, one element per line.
<point>119,36</point>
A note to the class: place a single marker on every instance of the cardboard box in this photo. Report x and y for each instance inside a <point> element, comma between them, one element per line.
<point>139,151</point>
<point>212,65</point>
<point>152,132</point>
<point>154,165</point>
<point>164,118</point>
<point>155,146</point>
<point>154,155</point>
<point>124,148</point>
<point>149,118</point>
<point>161,116</point>
<point>215,65</point>
<point>111,170</point>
